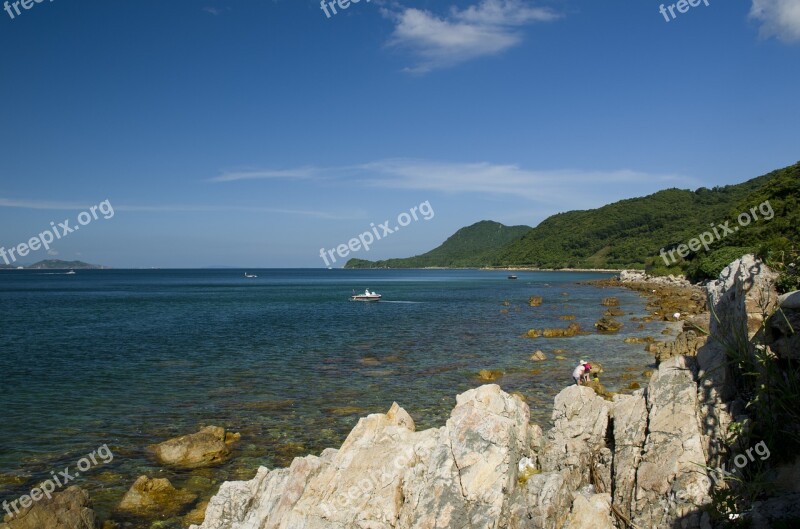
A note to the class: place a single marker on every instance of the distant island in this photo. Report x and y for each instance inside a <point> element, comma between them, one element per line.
<point>630,234</point>
<point>57,264</point>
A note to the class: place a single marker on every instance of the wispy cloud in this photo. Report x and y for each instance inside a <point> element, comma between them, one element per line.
<point>200,208</point>
<point>243,209</point>
<point>486,28</point>
<point>576,187</point>
<point>300,173</point>
<point>216,11</point>
<point>41,204</point>
<point>572,188</point>
<point>778,18</point>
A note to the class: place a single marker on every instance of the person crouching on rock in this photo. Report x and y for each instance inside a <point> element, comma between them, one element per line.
<point>578,372</point>
<point>581,373</point>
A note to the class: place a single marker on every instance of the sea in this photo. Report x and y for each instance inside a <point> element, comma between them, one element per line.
<point>128,358</point>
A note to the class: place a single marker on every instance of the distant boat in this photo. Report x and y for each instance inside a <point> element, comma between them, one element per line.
<point>70,273</point>
<point>249,276</point>
<point>512,277</point>
<point>366,296</point>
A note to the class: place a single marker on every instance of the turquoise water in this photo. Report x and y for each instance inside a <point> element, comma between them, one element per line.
<point>129,358</point>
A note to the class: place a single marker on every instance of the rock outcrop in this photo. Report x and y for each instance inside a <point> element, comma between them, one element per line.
<point>69,509</point>
<point>573,329</point>
<point>466,474</point>
<point>783,328</point>
<point>209,446</point>
<point>686,343</point>
<point>155,498</point>
<point>388,475</point>
<point>637,460</point>
<point>638,276</point>
<point>607,325</point>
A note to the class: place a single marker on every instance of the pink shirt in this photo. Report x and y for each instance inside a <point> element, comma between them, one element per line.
<point>579,371</point>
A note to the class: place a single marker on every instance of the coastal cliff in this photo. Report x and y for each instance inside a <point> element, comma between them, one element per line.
<point>650,459</point>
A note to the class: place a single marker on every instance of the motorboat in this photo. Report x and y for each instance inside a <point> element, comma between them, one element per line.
<point>249,276</point>
<point>70,273</point>
<point>512,277</point>
<point>366,296</point>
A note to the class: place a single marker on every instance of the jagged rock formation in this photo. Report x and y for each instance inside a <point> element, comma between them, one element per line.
<point>640,458</point>
<point>783,328</point>
<point>686,343</point>
<point>647,448</point>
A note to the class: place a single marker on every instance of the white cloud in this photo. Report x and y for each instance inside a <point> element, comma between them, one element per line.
<point>40,204</point>
<point>52,252</point>
<point>574,187</point>
<point>560,188</point>
<point>36,204</point>
<point>778,18</point>
<point>486,28</point>
<point>299,173</point>
<point>216,11</point>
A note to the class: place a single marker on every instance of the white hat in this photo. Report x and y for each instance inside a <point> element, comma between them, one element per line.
<point>584,362</point>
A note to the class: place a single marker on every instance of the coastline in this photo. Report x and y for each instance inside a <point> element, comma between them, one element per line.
<point>603,464</point>
<point>636,369</point>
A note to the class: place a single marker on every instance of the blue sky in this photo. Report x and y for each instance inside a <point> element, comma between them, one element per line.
<point>252,133</point>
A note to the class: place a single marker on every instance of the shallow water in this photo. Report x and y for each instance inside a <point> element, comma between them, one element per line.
<point>129,358</point>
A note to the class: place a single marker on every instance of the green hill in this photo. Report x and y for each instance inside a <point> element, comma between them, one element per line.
<point>630,233</point>
<point>472,246</point>
<point>775,236</point>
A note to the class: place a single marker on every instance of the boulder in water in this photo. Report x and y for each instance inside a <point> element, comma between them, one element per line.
<point>151,498</point>
<point>210,446</point>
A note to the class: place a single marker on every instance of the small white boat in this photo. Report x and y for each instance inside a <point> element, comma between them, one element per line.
<point>366,296</point>
<point>249,276</point>
<point>70,273</point>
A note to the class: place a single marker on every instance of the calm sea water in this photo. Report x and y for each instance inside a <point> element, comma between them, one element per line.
<point>129,358</point>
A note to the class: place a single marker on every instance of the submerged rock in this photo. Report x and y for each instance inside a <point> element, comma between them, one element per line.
<point>209,446</point>
<point>610,302</point>
<point>196,515</point>
<point>538,356</point>
<point>155,498</point>
<point>535,301</point>
<point>608,325</point>
<point>572,330</point>
<point>489,375</point>
<point>69,509</point>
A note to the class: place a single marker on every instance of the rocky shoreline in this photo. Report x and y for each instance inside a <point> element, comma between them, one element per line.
<point>640,460</point>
